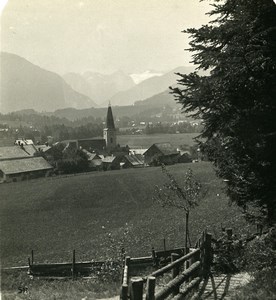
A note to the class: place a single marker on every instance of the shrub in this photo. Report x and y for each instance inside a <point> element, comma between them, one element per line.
<point>260,253</point>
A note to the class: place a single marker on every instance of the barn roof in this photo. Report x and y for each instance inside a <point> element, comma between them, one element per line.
<point>135,160</point>
<point>109,159</point>
<point>92,139</point>
<point>12,152</point>
<point>30,149</point>
<point>164,148</point>
<point>137,151</point>
<point>90,155</point>
<point>24,165</point>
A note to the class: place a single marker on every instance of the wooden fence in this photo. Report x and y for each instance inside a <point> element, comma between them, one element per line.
<point>75,269</point>
<point>71,269</point>
<point>188,269</point>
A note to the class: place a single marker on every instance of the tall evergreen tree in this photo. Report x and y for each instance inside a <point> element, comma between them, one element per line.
<point>236,99</point>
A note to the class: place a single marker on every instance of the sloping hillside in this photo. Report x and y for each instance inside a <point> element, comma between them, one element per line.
<point>98,213</point>
<point>25,85</point>
<point>161,99</point>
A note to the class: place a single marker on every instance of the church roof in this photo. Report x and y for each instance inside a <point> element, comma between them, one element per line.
<point>109,119</point>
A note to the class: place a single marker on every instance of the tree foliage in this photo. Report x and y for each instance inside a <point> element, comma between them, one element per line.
<point>236,99</point>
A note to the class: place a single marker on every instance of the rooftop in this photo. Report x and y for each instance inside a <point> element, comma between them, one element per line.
<point>11,152</point>
<point>24,165</point>
<point>165,148</point>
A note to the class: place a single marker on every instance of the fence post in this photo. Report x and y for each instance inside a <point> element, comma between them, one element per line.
<point>164,244</point>
<point>175,271</point>
<point>153,254</point>
<point>73,264</point>
<point>202,252</point>
<point>207,254</point>
<point>187,264</point>
<point>150,288</point>
<point>136,292</point>
<point>125,279</point>
<point>127,263</point>
<point>32,257</point>
<point>124,292</point>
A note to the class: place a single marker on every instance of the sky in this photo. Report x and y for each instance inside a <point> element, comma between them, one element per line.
<point>101,35</point>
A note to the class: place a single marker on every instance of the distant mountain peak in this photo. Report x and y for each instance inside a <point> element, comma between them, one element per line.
<point>97,86</point>
<point>139,77</point>
<point>148,87</point>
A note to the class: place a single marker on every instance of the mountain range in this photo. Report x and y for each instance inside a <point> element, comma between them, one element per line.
<point>27,86</point>
<point>119,88</point>
<point>149,87</point>
<point>99,86</point>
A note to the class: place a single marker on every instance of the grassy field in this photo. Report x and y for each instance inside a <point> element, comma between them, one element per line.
<point>145,141</point>
<point>55,215</point>
<point>98,213</point>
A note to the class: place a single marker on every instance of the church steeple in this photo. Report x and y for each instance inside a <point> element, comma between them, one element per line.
<point>109,118</point>
<point>109,132</point>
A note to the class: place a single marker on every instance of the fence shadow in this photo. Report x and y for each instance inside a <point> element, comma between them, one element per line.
<point>218,290</point>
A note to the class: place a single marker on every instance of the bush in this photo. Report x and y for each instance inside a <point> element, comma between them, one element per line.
<point>260,253</point>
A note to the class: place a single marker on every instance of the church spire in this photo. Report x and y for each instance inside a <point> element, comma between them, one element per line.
<point>110,131</point>
<point>109,118</point>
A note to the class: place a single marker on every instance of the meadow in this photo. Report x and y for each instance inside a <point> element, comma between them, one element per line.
<point>145,141</point>
<point>55,215</point>
<point>98,213</point>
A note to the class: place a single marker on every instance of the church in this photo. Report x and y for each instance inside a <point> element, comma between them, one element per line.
<point>102,146</point>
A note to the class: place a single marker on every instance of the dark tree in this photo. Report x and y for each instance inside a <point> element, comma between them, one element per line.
<point>236,100</point>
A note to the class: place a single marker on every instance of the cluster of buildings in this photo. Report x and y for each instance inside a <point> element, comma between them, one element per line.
<point>21,162</point>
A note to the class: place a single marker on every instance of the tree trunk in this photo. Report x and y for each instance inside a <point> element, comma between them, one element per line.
<point>186,230</point>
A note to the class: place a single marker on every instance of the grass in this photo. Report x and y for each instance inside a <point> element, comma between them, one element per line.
<point>145,141</point>
<point>98,213</point>
<point>38,289</point>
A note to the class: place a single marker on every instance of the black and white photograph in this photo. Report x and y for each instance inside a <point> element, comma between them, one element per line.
<point>138,149</point>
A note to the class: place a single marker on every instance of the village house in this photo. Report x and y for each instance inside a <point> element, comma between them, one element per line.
<point>184,157</point>
<point>89,144</point>
<point>111,163</point>
<point>95,161</point>
<point>133,161</point>
<point>19,169</point>
<point>161,153</point>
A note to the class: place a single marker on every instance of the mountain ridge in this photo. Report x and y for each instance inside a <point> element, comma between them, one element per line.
<point>97,86</point>
<point>25,85</point>
<point>148,88</point>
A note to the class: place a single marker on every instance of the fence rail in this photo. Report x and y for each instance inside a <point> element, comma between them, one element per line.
<point>195,264</point>
<point>71,269</point>
<point>80,269</point>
